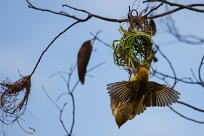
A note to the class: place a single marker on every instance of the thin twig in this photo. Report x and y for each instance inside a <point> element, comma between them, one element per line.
<point>199,71</point>
<point>62,94</point>
<point>73,114</point>
<point>107,45</point>
<point>51,99</point>
<point>193,120</point>
<point>98,65</point>
<point>170,64</point>
<point>60,110</point>
<point>177,9</point>
<point>61,121</point>
<point>190,106</point>
<point>51,44</point>
<point>71,93</point>
<point>61,13</point>
<point>24,128</point>
<point>193,74</point>
<point>97,16</point>
<point>189,7</point>
<point>60,72</point>
<point>153,9</point>
<point>170,27</point>
<point>178,79</point>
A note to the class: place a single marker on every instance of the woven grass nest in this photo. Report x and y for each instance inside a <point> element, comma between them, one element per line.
<point>133,50</point>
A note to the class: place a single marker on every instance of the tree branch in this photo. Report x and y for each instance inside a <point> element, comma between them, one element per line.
<point>54,41</point>
<point>190,119</point>
<point>170,64</point>
<point>199,71</point>
<point>179,7</point>
<point>60,110</point>
<point>97,16</point>
<point>170,27</point>
<point>190,106</point>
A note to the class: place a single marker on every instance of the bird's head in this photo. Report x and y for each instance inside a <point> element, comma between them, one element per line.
<point>143,73</point>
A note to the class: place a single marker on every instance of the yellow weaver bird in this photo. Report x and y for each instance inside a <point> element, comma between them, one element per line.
<point>130,98</point>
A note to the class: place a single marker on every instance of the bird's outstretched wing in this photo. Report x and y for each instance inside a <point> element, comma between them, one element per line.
<point>121,91</point>
<point>160,95</point>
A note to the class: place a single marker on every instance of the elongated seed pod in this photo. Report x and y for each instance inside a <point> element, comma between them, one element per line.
<point>83,59</point>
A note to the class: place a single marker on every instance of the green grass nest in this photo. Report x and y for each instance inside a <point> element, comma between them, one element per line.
<point>132,50</point>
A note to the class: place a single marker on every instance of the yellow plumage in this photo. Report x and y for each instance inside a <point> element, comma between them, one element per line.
<point>130,98</point>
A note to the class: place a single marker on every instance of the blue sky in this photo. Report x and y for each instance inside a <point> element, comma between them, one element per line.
<point>24,34</point>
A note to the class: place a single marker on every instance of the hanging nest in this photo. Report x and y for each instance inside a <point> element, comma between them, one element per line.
<point>13,99</point>
<point>133,50</point>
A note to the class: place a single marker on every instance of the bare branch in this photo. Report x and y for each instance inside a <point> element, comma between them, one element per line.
<point>54,41</point>
<point>199,72</point>
<point>60,110</point>
<point>153,9</point>
<point>51,99</point>
<point>184,80</point>
<point>190,7</point>
<point>71,94</point>
<point>95,37</point>
<point>97,16</point>
<point>190,106</point>
<point>25,129</point>
<point>170,64</point>
<point>73,113</point>
<point>62,13</point>
<point>62,122</point>
<point>179,7</point>
<point>98,65</point>
<point>193,120</point>
<point>30,5</point>
<point>170,27</point>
